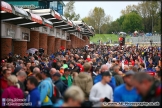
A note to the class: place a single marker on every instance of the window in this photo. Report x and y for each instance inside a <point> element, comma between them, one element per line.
<point>53,5</point>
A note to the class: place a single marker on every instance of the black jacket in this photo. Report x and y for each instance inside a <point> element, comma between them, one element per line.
<point>75,69</point>
<point>22,87</point>
<point>154,94</point>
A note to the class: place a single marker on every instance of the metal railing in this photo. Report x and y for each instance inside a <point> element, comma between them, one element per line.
<point>144,39</point>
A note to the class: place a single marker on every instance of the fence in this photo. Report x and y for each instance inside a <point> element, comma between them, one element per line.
<point>156,39</point>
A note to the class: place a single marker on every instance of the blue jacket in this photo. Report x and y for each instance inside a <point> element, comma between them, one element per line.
<point>45,88</point>
<point>34,97</point>
<point>112,82</point>
<point>61,86</point>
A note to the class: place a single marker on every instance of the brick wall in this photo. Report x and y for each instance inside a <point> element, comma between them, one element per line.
<point>68,44</point>
<point>87,41</point>
<point>43,42</point>
<point>34,40</point>
<point>20,47</point>
<point>72,38</point>
<point>57,44</point>
<point>6,46</point>
<point>63,43</point>
<point>50,44</point>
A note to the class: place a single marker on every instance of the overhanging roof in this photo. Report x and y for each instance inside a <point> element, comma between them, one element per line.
<point>42,17</point>
<point>21,16</point>
<point>14,15</point>
<point>6,11</point>
<point>85,28</point>
<point>58,20</point>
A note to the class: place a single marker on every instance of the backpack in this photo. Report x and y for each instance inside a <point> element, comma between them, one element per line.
<point>56,95</point>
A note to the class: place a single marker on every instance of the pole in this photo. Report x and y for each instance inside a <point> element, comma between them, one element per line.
<point>152,24</point>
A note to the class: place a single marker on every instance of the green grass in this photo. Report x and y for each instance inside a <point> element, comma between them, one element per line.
<point>105,37</point>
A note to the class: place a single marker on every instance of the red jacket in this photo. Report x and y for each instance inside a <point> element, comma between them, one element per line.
<point>125,62</point>
<point>80,66</point>
<point>132,62</point>
<point>4,83</point>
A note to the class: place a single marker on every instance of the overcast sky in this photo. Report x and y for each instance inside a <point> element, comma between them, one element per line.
<point>111,8</point>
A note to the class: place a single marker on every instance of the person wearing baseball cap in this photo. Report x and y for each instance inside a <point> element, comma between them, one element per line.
<point>45,88</point>
<point>101,91</point>
<point>126,92</point>
<point>59,83</point>
<point>3,62</point>
<point>66,77</point>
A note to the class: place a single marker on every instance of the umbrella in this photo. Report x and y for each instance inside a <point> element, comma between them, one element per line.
<point>32,50</point>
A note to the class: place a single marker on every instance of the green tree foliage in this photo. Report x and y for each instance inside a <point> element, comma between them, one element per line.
<point>69,11</point>
<point>132,22</point>
<point>98,19</point>
<point>149,11</point>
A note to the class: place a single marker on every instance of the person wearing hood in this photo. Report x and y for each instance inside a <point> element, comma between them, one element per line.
<point>84,80</point>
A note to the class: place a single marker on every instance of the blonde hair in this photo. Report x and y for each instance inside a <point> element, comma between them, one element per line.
<point>87,66</point>
<point>75,93</point>
<point>13,79</point>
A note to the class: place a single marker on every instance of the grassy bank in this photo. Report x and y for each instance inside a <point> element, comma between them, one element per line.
<point>105,38</point>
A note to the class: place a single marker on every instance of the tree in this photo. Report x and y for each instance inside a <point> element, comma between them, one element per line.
<point>69,12</point>
<point>132,22</point>
<point>98,19</point>
<point>98,15</point>
<point>129,8</point>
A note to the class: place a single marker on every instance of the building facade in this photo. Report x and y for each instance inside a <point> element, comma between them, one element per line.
<point>39,4</point>
<point>23,29</point>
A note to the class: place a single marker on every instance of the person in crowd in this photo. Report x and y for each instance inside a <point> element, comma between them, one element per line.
<point>59,83</point>
<point>31,71</point>
<point>157,68</point>
<point>74,68</point>
<point>147,87</point>
<point>6,73</point>
<point>33,64</point>
<point>36,70</point>
<point>39,78</point>
<point>66,77</point>
<point>159,75</point>
<point>101,92</point>
<point>21,76</point>
<point>126,68</point>
<point>3,63</point>
<point>98,78</point>
<point>17,69</point>
<point>2,69</point>
<point>13,91</point>
<point>65,64</point>
<point>136,64</point>
<point>73,97</point>
<point>45,88</point>
<point>117,76</point>
<point>134,69</point>
<point>52,71</point>
<point>156,59</point>
<point>126,92</point>
<point>34,94</point>
<point>28,64</point>
<point>84,80</point>
<point>142,67</point>
<point>10,67</point>
<point>74,74</point>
